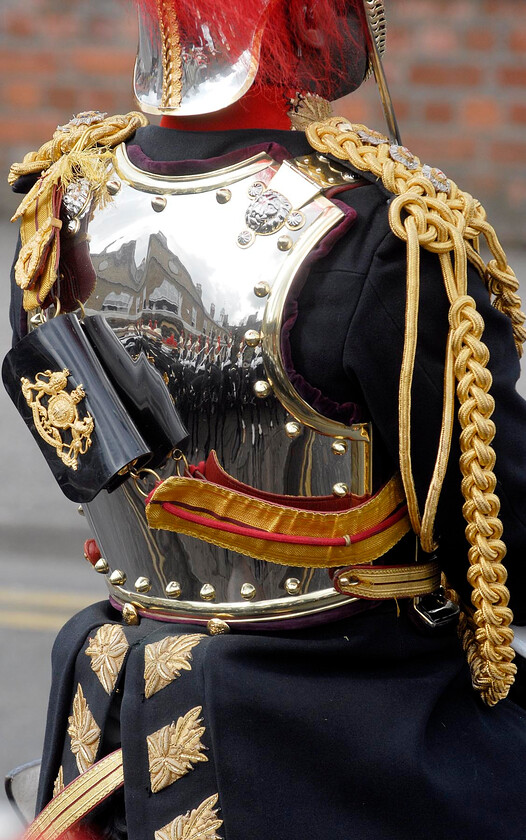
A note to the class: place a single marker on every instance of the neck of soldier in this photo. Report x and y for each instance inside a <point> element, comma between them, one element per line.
<point>260,108</point>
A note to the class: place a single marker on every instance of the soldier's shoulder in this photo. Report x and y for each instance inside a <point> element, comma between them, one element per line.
<point>87,130</point>
<point>375,156</point>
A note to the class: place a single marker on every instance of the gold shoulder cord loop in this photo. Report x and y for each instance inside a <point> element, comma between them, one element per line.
<point>80,150</point>
<point>430,211</point>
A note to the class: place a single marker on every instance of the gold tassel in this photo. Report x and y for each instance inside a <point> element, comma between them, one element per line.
<point>80,150</point>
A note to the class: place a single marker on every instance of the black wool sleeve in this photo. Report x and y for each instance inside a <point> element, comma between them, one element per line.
<point>373,354</point>
<point>17,316</point>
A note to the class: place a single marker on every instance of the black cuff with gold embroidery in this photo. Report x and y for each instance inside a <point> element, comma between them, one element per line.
<point>71,408</point>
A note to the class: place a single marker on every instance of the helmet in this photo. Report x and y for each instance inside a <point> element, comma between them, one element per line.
<point>199,56</point>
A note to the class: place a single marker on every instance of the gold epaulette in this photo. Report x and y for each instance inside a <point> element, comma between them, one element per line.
<point>430,211</point>
<point>78,150</point>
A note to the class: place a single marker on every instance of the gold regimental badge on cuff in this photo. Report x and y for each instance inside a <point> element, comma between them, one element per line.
<point>55,413</point>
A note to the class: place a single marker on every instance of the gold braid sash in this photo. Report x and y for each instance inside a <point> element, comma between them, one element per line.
<point>432,212</point>
<point>78,799</point>
<point>307,531</point>
<point>79,150</point>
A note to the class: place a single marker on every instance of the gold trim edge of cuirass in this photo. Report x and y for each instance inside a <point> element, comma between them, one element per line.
<point>274,609</point>
<point>148,181</point>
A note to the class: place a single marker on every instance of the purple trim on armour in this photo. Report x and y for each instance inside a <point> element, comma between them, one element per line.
<point>199,167</point>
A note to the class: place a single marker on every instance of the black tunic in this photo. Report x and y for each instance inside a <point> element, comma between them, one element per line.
<point>365,728</point>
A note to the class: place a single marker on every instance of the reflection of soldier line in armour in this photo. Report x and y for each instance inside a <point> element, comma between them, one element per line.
<point>274,644</point>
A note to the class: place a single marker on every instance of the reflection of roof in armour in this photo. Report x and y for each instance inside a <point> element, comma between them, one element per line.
<point>120,301</point>
<point>166,291</point>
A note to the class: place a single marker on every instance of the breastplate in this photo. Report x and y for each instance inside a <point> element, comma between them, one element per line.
<point>195,271</point>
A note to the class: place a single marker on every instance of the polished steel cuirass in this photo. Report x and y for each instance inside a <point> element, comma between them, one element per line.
<point>194,272</point>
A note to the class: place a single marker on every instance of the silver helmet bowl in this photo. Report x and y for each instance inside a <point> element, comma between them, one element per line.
<point>204,70</point>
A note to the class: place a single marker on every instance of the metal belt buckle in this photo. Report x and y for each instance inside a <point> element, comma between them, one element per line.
<point>436,610</point>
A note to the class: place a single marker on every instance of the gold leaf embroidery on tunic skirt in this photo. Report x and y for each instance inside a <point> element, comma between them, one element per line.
<point>107,652</point>
<point>83,731</point>
<point>164,660</point>
<point>200,824</point>
<point>174,749</point>
<point>59,782</point>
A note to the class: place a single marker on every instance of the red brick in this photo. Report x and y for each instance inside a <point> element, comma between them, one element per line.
<point>105,29</point>
<point>59,27</point>
<point>62,98</point>
<point>402,108</point>
<point>518,113</point>
<point>430,11</point>
<point>480,112</point>
<point>458,10</point>
<point>16,63</point>
<point>512,76</point>
<point>438,112</point>
<point>395,69</point>
<point>437,40</point>
<point>437,150</point>
<point>447,75</point>
<point>30,130</point>
<point>507,152</point>
<point>413,9</point>
<point>399,39</point>
<point>479,39</point>
<point>19,25</point>
<point>104,100</point>
<point>22,95</point>
<point>100,61</point>
<point>503,8</point>
<point>354,108</point>
<point>128,29</point>
<point>488,184</point>
<point>516,193</point>
<point>517,40</point>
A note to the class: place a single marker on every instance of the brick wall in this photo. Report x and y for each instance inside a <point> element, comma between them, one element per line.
<point>457,71</point>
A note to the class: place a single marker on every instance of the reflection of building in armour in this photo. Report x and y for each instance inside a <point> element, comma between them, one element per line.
<point>154,305</point>
<point>163,291</point>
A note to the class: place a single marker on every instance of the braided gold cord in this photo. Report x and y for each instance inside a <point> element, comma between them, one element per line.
<point>108,133</point>
<point>406,371</point>
<point>488,635</point>
<point>82,149</point>
<point>171,54</point>
<point>450,224</point>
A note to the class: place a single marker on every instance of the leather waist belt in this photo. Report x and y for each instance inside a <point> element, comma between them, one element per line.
<point>308,531</point>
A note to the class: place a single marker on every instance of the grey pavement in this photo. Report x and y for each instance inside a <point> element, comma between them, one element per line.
<point>43,576</point>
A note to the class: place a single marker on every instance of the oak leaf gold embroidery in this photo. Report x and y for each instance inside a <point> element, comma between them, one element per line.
<point>200,824</point>
<point>164,660</point>
<point>83,731</point>
<point>107,652</point>
<point>174,749</point>
<point>58,786</point>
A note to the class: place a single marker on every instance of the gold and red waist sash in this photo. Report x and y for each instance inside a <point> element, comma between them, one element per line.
<point>305,531</point>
